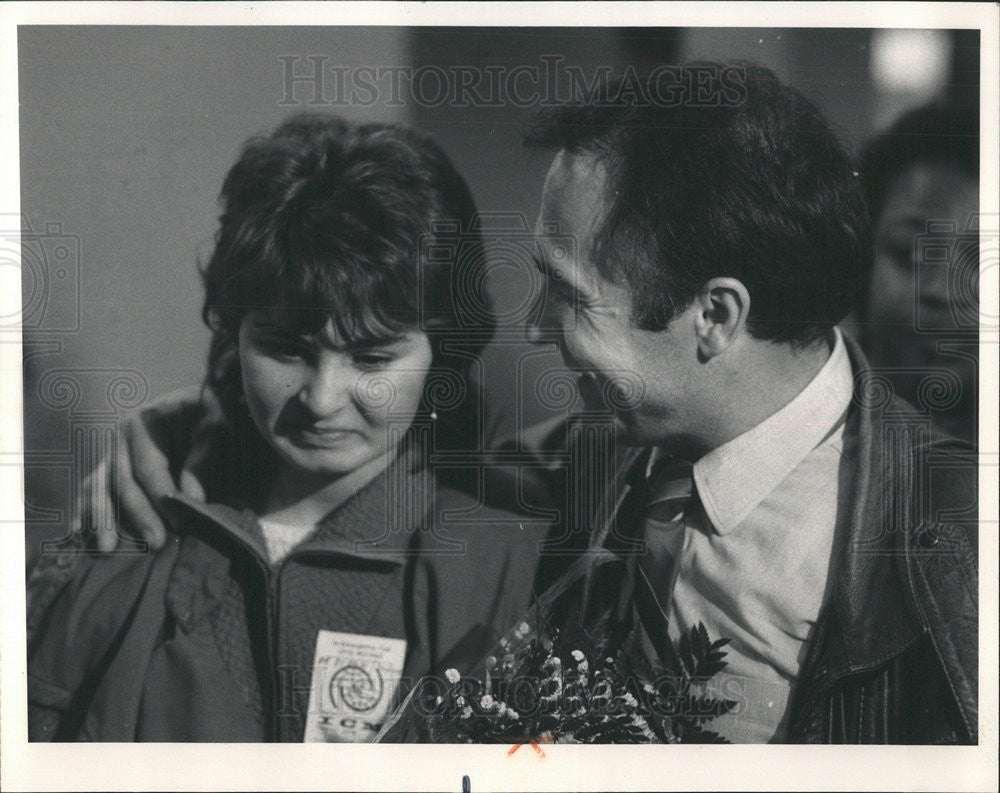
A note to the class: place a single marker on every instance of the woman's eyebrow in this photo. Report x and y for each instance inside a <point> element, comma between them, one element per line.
<point>271,326</point>
<point>384,341</point>
<point>279,328</point>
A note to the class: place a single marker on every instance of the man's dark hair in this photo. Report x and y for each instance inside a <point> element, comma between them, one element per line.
<point>334,220</point>
<point>939,132</point>
<point>753,185</point>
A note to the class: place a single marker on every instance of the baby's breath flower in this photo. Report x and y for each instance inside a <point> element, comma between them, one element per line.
<point>452,676</point>
<point>487,702</point>
<point>630,700</point>
<point>577,655</point>
<point>466,712</point>
<point>460,700</point>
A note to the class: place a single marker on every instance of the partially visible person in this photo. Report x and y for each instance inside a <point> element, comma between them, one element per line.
<point>332,562</point>
<point>921,306</point>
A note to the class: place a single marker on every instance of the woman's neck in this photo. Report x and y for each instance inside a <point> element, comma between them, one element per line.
<point>299,498</point>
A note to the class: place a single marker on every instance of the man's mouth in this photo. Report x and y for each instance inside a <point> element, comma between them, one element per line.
<point>591,392</point>
<point>621,392</point>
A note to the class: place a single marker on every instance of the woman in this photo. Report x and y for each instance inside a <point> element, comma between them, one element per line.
<point>328,571</point>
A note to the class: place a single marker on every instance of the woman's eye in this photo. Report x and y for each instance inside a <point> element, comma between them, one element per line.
<point>283,346</point>
<point>372,360</point>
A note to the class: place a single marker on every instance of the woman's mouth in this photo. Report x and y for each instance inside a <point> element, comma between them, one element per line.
<point>320,437</point>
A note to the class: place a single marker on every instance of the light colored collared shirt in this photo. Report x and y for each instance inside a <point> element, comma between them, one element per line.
<point>756,564</point>
<point>281,538</point>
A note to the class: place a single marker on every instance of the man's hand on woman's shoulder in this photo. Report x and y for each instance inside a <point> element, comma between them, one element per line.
<point>161,449</point>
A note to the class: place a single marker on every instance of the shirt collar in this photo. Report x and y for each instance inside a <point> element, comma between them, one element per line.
<point>734,478</point>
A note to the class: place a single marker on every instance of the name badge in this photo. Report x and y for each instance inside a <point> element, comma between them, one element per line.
<point>354,682</point>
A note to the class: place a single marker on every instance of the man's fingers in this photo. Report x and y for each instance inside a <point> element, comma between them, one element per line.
<point>197,464</point>
<point>191,487</point>
<point>139,513</point>
<point>96,509</point>
<point>134,501</point>
<point>106,538</point>
<point>143,457</point>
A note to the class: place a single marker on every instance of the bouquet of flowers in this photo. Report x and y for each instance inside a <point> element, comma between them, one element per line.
<point>572,680</point>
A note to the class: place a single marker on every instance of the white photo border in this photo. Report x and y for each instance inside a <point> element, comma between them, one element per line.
<point>34,766</point>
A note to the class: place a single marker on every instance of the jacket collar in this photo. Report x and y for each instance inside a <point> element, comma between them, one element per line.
<point>876,615</point>
<point>378,523</point>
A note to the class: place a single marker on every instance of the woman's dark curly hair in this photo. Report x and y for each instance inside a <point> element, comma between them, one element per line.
<point>369,225</point>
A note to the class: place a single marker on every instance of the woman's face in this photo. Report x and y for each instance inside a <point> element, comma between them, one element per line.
<point>328,407</point>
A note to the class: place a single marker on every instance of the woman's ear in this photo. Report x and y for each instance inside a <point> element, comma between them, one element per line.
<point>724,304</point>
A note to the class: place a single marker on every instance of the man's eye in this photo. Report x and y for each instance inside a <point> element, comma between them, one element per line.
<point>559,293</point>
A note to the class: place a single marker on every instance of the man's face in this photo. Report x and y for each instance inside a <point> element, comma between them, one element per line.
<point>647,379</point>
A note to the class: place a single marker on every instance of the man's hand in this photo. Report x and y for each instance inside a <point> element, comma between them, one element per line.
<point>161,449</point>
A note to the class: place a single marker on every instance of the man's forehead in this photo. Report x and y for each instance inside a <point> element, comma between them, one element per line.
<point>573,195</point>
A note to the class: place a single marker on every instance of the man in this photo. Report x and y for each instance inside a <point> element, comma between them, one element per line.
<point>761,484</point>
<point>718,247</point>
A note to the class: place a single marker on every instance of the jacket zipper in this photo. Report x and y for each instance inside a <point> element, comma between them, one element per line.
<point>272,579</point>
<point>269,580</point>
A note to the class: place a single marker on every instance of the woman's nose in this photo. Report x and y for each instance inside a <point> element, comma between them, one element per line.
<point>327,389</point>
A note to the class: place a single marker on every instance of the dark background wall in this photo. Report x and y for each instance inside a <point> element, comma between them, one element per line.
<point>126,134</point>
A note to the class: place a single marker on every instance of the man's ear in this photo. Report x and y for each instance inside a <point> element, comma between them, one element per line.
<point>723,306</point>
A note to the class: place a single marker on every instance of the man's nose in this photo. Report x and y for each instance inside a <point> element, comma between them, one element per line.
<point>327,388</point>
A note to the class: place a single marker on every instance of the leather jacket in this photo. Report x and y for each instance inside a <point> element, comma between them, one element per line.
<point>895,656</point>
